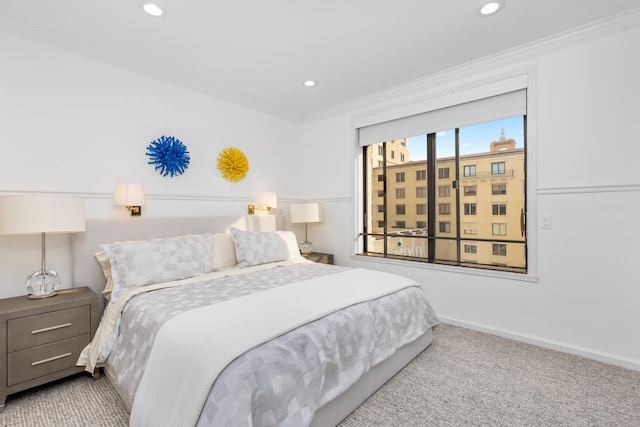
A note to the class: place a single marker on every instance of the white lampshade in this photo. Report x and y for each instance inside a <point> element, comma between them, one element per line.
<point>267,199</point>
<point>41,214</point>
<point>305,212</point>
<point>128,194</point>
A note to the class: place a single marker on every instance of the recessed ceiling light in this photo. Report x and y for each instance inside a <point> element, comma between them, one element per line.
<point>152,8</point>
<point>488,8</point>
<point>310,83</point>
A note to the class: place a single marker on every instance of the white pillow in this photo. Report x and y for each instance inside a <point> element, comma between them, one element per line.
<point>224,251</point>
<point>292,245</point>
<point>255,248</point>
<point>103,260</point>
<point>145,262</point>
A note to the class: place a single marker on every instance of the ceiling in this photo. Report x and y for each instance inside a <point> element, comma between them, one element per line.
<point>258,53</point>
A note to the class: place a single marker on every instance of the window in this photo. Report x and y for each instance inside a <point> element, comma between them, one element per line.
<point>460,216</point>
<point>499,209</point>
<point>470,209</point>
<point>499,229</point>
<point>393,154</point>
<point>499,249</point>
<point>497,168</point>
<point>470,249</point>
<point>498,189</point>
<point>380,150</point>
<point>380,178</point>
<point>443,173</point>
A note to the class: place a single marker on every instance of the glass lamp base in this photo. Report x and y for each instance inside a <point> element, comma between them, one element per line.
<point>305,247</point>
<point>42,284</point>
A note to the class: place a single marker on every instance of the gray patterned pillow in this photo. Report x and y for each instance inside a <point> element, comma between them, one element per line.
<point>254,248</point>
<point>145,262</point>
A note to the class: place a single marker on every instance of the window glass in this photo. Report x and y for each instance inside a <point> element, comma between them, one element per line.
<point>458,180</point>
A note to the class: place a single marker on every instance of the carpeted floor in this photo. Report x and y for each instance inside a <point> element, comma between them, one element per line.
<point>465,378</point>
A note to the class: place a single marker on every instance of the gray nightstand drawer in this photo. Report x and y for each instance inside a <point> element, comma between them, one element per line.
<point>45,328</point>
<point>45,359</point>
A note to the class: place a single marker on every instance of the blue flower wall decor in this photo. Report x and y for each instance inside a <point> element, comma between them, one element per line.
<point>168,155</point>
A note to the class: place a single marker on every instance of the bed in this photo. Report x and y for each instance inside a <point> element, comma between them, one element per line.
<point>251,335</point>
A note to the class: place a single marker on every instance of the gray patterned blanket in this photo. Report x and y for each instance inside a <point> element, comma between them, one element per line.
<point>283,381</point>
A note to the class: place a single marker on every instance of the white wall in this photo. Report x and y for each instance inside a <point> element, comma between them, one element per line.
<point>73,125</point>
<point>585,151</point>
<point>70,124</point>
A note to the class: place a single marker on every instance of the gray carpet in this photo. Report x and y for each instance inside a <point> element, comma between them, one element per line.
<point>465,378</point>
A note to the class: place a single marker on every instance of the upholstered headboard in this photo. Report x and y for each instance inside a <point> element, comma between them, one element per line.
<point>86,270</point>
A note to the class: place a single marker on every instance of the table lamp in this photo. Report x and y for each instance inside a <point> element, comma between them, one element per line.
<point>41,214</point>
<point>305,212</point>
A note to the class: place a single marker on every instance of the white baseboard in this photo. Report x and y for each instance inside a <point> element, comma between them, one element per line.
<point>553,345</point>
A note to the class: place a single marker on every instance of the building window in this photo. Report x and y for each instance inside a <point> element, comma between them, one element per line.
<point>380,150</point>
<point>452,213</point>
<point>499,209</point>
<point>499,249</point>
<point>470,209</point>
<point>499,229</point>
<point>443,173</point>
<point>497,168</point>
<point>392,155</point>
<point>380,178</point>
<point>498,189</point>
<point>470,249</point>
<point>470,190</point>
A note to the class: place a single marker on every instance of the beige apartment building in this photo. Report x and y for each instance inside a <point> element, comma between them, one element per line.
<point>487,201</point>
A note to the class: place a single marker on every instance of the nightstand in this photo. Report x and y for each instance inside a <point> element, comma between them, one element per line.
<point>40,340</point>
<point>319,257</point>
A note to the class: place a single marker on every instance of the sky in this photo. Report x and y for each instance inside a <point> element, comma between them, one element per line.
<point>473,139</point>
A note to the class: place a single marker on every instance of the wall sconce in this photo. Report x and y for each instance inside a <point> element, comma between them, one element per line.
<point>266,202</point>
<point>130,195</point>
<point>305,212</point>
<point>21,215</point>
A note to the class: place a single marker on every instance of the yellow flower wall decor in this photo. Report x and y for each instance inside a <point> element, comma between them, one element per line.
<point>233,164</point>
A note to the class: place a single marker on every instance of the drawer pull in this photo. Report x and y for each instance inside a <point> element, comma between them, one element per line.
<point>51,359</point>
<point>50,328</point>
